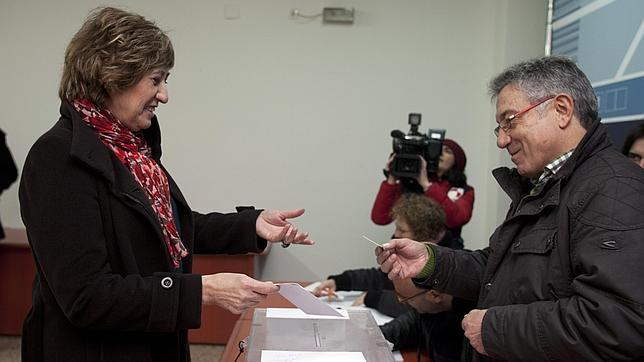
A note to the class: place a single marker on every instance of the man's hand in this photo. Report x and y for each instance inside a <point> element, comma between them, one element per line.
<point>471,324</point>
<point>272,226</point>
<point>402,258</point>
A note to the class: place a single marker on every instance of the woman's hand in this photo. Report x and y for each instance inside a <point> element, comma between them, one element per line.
<point>272,226</point>
<point>234,292</point>
<point>390,178</point>
<point>326,288</point>
<point>402,258</point>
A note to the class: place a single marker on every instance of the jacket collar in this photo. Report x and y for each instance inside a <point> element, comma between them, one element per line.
<point>516,186</point>
<point>87,148</point>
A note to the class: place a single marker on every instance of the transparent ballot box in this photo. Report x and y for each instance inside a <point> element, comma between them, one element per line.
<point>358,333</point>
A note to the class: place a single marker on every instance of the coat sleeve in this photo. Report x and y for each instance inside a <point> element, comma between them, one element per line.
<point>8,170</point>
<point>457,272</point>
<point>362,279</point>
<point>458,212</point>
<point>61,212</point>
<point>232,233</point>
<point>385,200</point>
<point>603,318</point>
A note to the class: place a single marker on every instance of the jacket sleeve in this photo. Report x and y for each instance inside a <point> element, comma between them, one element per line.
<point>385,200</point>
<point>457,212</point>
<point>403,331</point>
<point>232,233</point>
<point>60,209</point>
<point>362,279</point>
<point>603,318</point>
<point>8,170</point>
<point>457,272</point>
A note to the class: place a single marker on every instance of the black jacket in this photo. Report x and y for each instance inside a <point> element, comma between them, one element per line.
<point>8,170</point>
<point>105,289</point>
<point>439,334</point>
<point>562,277</point>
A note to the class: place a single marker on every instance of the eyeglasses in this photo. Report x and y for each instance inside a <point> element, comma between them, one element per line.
<point>505,124</point>
<point>404,300</point>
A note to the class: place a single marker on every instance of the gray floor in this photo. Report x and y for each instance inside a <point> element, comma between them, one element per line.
<point>10,351</point>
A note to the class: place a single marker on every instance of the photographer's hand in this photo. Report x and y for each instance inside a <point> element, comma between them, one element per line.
<point>422,178</point>
<point>390,178</point>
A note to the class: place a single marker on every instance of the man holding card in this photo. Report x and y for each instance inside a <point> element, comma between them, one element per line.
<point>561,278</point>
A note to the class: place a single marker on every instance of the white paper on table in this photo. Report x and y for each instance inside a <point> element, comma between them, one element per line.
<point>295,313</point>
<point>311,356</point>
<point>306,301</point>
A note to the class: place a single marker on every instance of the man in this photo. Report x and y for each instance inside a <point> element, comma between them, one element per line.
<point>561,278</point>
<point>433,324</point>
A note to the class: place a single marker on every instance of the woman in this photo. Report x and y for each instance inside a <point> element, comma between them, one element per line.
<point>111,233</point>
<point>633,146</point>
<point>448,187</point>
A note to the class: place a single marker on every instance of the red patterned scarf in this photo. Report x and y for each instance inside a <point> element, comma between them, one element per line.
<point>135,154</point>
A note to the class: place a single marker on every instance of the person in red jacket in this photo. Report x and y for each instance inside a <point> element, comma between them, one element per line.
<point>448,187</point>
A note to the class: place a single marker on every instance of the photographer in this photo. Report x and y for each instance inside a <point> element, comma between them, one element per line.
<point>448,187</point>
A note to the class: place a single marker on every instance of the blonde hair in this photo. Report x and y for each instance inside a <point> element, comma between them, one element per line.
<point>112,51</point>
<point>425,218</point>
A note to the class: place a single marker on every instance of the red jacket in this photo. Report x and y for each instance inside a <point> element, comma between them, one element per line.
<point>455,201</point>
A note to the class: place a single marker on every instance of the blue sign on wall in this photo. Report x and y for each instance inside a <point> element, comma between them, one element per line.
<point>605,38</point>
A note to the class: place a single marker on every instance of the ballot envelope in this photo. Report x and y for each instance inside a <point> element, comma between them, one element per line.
<point>358,333</point>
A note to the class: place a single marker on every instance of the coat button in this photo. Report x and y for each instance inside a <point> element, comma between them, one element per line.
<point>167,282</point>
<point>517,244</point>
<point>488,286</point>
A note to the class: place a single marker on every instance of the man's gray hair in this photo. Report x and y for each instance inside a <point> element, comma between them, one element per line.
<point>545,76</point>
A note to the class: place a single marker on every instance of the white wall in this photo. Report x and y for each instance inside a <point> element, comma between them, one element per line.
<point>280,113</point>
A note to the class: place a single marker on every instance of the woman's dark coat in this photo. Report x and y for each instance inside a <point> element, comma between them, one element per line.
<point>105,289</point>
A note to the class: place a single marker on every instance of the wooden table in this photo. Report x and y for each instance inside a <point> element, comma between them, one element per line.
<point>242,330</point>
<point>18,270</point>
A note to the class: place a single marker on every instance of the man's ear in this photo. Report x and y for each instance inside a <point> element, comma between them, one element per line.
<point>564,106</point>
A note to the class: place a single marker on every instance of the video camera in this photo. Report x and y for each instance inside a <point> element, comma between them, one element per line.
<point>406,164</point>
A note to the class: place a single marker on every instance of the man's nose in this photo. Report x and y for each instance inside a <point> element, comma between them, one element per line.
<point>503,139</point>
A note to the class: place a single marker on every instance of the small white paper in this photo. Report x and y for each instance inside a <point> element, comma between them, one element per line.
<point>294,313</point>
<point>371,241</point>
<point>311,356</point>
<point>306,301</point>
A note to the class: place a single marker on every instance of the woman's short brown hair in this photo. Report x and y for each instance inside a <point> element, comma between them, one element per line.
<point>425,218</point>
<point>112,51</point>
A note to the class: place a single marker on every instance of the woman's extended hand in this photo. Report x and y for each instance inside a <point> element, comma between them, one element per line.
<point>272,225</point>
<point>234,292</point>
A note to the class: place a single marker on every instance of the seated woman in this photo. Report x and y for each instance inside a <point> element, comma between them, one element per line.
<point>448,187</point>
